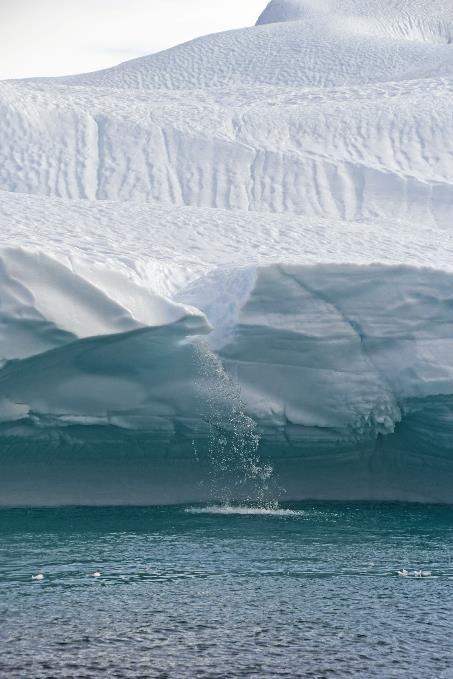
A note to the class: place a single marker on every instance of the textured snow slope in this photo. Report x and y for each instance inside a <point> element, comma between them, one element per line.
<point>401,19</point>
<point>325,43</point>
<point>284,191</point>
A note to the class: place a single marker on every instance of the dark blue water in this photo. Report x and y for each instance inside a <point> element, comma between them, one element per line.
<point>314,592</point>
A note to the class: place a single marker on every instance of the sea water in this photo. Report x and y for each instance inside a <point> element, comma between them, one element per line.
<point>312,590</point>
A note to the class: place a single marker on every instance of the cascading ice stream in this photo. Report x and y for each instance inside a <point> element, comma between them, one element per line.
<point>236,471</point>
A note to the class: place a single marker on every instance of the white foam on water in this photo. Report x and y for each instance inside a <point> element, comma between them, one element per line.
<point>228,510</point>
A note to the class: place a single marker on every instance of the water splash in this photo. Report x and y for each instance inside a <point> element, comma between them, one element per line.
<point>236,470</point>
<point>245,510</point>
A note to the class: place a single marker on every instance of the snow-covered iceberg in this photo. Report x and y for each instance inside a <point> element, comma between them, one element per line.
<point>267,208</point>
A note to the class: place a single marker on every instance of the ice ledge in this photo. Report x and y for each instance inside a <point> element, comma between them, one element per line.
<point>48,301</point>
<point>329,347</point>
<point>347,370</point>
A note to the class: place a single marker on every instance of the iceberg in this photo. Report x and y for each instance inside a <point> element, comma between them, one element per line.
<point>248,235</point>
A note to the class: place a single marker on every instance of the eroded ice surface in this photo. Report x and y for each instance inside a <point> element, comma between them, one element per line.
<point>285,191</point>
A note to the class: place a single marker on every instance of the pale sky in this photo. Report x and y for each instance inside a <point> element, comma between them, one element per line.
<point>61,37</point>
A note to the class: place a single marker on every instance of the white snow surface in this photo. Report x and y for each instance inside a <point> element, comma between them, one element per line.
<point>286,190</point>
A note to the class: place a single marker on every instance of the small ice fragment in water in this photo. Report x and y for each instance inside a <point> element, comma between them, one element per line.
<point>414,574</point>
<point>40,576</point>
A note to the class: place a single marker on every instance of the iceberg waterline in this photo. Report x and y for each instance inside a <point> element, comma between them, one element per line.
<point>294,221</point>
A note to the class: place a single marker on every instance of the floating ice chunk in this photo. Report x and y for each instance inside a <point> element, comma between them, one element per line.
<point>414,574</point>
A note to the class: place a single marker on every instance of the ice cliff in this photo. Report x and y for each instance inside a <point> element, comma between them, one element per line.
<point>279,197</point>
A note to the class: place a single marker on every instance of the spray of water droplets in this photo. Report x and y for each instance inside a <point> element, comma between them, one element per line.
<point>236,471</point>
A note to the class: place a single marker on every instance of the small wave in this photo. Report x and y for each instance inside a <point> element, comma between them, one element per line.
<point>228,510</point>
